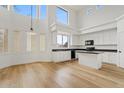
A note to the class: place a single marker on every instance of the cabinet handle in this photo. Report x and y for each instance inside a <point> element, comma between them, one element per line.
<point>119,51</point>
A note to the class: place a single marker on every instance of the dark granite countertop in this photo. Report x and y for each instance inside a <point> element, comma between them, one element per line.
<point>74,49</point>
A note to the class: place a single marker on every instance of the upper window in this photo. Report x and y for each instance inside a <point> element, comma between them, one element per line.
<point>43,11</point>
<point>62,15</point>
<point>25,10</point>
<point>5,6</point>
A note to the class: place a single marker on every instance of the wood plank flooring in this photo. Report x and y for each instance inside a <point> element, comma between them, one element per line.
<point>57,75</point>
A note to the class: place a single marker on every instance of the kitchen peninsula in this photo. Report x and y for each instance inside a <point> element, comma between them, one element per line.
<point>90,59</point>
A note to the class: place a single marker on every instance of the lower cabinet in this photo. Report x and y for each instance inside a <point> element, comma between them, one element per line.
<point>59,56</point>
<point>109,57</point>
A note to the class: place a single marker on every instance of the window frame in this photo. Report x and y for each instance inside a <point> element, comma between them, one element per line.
<point>7,7</point>
<point>62,45</point>
<point>68,15</point>
<point>4,48</point>
<point>27,15</point>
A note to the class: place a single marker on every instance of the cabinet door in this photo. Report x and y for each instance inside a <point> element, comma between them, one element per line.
<point>98,39</point>
<point>121,48</point>
<point>55,56</point>
<point>113,58</point>
<point>113,37</point>
<point>76,55</point>
<point>61,56</point>
<point>105,57</point>
<point>106,38</point>
<point>66,55</point>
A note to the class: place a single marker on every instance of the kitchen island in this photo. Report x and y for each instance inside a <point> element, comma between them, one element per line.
<point>65,54</point>
<point>90,58</point>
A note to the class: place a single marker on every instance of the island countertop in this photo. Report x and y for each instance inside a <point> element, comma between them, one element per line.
<point>83,49</point>
<point>89,52</point>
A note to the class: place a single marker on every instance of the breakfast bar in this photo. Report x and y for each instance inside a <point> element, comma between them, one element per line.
<point>90,59</point>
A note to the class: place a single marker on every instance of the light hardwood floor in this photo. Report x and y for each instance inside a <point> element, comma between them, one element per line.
<point>66,75</point>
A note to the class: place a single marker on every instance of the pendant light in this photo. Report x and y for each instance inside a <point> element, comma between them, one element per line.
<point>31,28</point>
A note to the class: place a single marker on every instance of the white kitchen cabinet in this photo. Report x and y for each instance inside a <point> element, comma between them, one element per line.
<point>105,57</point>
<point>109,57</point>
<point>110,37</point>
<point>76,55</point>
<point>93,60</point>
<point>66,55</point>
<point>59,56</point>
<point>113,58</point>
<point>120,38</point>
<point>113,36</point>
<point>98,39</point>
<point>121,48</point>
<point>106,37</point>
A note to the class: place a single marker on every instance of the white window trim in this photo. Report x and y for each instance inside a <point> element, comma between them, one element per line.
<point>68,39</point>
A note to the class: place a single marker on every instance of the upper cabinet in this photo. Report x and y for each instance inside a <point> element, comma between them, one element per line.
<point>107,37</point>
<point>110,37</point>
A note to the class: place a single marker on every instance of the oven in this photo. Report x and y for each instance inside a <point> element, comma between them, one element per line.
<point>89,42</point>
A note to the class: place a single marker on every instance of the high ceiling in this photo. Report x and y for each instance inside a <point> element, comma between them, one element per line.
<point>76,7</point>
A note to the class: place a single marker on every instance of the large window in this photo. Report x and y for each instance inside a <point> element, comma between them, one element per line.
<point>62,40</point>
<point>3,40</point>
<point>62,15</point>
<point>25,10</point>
<point>16,41</point>
<point>43,11</point>
<point>31,42</point>
<point>34,41</point>
<point>4,6</point>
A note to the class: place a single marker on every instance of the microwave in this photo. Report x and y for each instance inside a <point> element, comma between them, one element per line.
<point>89,42</point>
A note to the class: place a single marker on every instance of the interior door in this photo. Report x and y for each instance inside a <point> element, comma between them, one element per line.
<point>121,48</point>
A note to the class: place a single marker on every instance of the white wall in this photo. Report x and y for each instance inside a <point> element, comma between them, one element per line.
<point>15,22</point>
<point>98,16</point>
